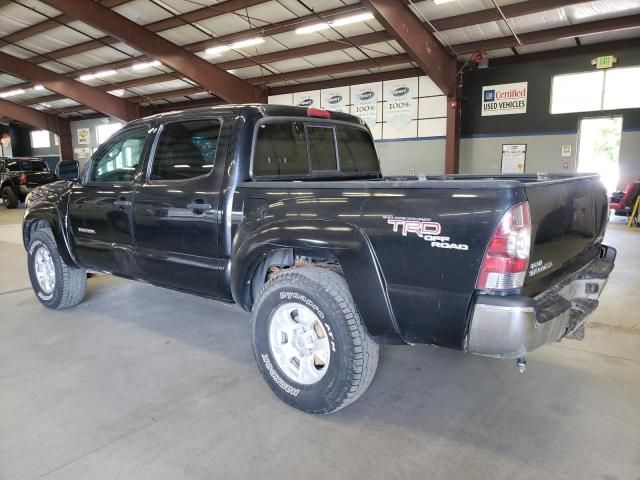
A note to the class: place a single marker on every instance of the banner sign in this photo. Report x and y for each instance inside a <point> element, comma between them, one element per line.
<point>336,99</point>
<point>400,107</point>
<point>364,99</point>
<point>307,99</point>
<point>506,99</point>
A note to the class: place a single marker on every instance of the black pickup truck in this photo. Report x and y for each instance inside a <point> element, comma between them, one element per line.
<point>283,210</point>
<point>19,176</point>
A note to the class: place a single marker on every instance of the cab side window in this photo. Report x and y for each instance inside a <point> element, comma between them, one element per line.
<point>186,150</point>
<point>120,161</point>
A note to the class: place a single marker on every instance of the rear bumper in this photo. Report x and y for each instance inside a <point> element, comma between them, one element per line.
<point>25,190</point>
<point>509,327</point>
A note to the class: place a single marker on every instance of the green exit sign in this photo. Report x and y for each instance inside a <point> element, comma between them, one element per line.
<point>605,62</point>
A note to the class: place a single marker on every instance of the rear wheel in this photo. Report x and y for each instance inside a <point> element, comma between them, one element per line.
<point>56,284</point>
<point>9,198</point>
<point>309,341</point>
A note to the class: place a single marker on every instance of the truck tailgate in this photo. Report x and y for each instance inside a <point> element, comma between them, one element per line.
<point>35,179</point>
<point>569,217</point>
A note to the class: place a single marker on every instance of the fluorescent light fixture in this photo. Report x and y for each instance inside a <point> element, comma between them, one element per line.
<point>12,93</point>
<point>145,65</point>
<point>248,42</point>
<point>316,27</point>
<point>38,87</point>
<point>217,50</point>
<point>100,74</point>
<point>239,44</point>
<point>440,2</point>
<point>118,92</point>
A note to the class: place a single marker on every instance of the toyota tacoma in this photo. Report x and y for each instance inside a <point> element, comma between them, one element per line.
<point>283,210</point>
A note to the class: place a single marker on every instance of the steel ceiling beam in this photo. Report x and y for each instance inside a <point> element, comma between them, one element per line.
<point>550,34</point>
<point>49,24</point>
<point>204,13</point>
<point>78,91</point>
<point>422,46</point>
<point>447,23</point>
<point>207,75</point>
<point>43,121</point>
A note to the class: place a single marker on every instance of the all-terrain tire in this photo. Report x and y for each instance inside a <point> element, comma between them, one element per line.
<point>353,353</point>
<point>9,198</point>
<point>70,282</point>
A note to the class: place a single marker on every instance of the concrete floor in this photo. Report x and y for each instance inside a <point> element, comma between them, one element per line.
<point>143,383</point>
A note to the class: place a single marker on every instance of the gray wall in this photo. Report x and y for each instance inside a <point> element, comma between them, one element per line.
<point>629,157</point>
<point>484,154</point>
<point>424,156</point>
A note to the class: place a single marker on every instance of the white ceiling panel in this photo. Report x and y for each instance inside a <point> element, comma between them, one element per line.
<point>293,40</point>
<point>589,11</point>
<point>537,21</point>
<point>184,6</point>
<point>291,65</point>
<point>502,52</point>
<point>184,35</point>
<point>142,11</point>
<point>160,87</point>
<point>317,5</point>
<point>329,58</point>
<point>15,17</point>
<point>351,74</point>
<point>541,47</point>
<point>266,13</point>
<point>251,72</point>
<point>611,36</point>
<point>86,29</point>
<point>56,67</point>
<point>54,39</point>
<point>374,50</point>
<point>472,34</point>
<point>7,80</point>
<point>390,68</point>
<point>225,24</point>
<point>16,51</point>
<point>65,102</point>
<point>95,57</point>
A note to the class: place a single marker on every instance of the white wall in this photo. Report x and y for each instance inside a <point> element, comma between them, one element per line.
<point>415,144</point>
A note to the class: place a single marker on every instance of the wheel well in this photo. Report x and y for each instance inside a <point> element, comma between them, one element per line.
<point>33,226</point>
<point>276,261</point>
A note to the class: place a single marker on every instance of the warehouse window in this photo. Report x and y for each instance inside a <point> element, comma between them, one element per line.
<point>596,91</point>
<point>577,92</point>
<point>621,88</point>
<point>40,139</point>
<point>105,130</point>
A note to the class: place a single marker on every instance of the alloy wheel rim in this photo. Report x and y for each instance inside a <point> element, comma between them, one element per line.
<point>299,343</point>
<point>45,270</point>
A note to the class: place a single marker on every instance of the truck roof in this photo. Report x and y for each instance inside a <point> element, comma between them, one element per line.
<point>248,111</point>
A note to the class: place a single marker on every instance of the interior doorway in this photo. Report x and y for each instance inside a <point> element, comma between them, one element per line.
<point>599,148</point>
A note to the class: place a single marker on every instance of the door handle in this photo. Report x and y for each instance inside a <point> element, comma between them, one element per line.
<point>198,206</point>
<point>122,203</point>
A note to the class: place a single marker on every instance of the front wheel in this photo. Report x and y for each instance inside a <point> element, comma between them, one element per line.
<point>56,284</point>
<point>309,342</point>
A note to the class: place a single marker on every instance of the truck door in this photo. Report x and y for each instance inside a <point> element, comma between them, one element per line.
<point>100,206</point>
<point>176,208</point>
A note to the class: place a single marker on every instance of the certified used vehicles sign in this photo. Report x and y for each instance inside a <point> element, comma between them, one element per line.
<point>505,99</point>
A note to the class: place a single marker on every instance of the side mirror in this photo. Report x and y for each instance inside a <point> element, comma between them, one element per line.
<point>68,170</point>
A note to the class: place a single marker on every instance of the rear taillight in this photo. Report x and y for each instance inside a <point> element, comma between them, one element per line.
<point>506,261</point>
<point>22,179</point>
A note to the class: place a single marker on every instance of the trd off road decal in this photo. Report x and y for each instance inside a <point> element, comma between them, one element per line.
<point>426,229</point>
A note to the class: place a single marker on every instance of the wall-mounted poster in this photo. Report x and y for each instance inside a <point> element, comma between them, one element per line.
<point>566,150</point>
<point>84,137</point>
<point>307,99</point>
<point>336,99</point>
<point>506,99</point>
<point>82,153</point>
<point>400,107</point>
<point>364,102</point>
<point>513,158</point>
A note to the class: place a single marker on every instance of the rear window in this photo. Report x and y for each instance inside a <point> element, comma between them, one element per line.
<point>300,149</point>
<point>26,166</point>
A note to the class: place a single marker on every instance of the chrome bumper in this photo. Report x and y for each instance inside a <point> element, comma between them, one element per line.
<point>509,327</point>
